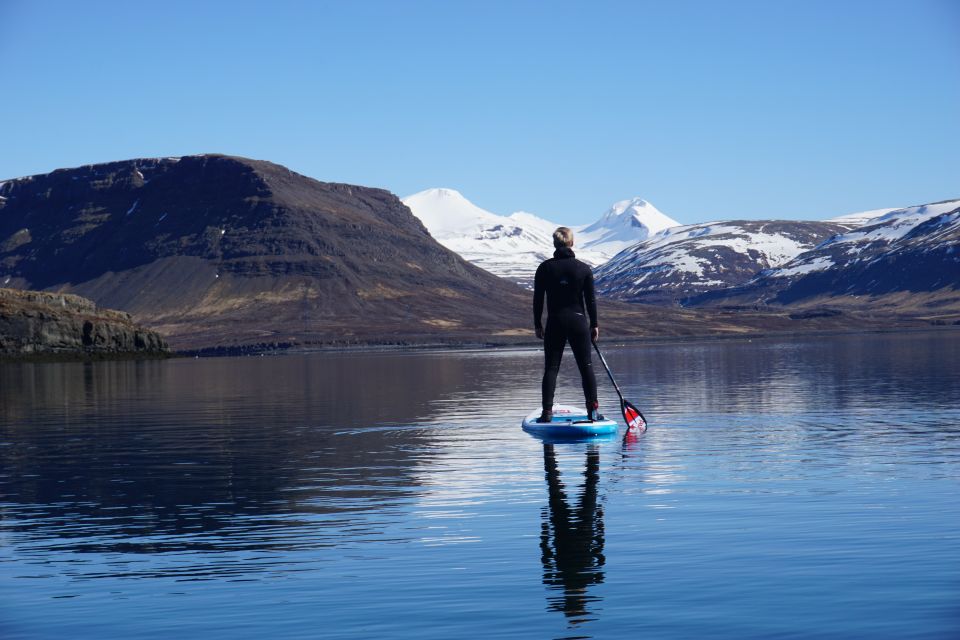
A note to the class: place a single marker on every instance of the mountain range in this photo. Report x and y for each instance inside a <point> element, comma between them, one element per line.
<point>513,246</point>
<point>223,252</point>
<point>683,261</point>
<point>908,259</point>
<point>904,255</point>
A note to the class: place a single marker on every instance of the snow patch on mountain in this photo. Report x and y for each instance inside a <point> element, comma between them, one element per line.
<point>861,218</point>
<point>683,261</point>
<point>906,259</point>
<point>880,233</point>
<point>895,224</point>
<point>800,267</point>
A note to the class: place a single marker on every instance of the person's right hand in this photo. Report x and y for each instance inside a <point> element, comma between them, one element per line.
<point>595,334</point>
<point>539,332</point>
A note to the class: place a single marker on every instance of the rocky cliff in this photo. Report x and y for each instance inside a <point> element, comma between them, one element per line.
<point>39,324</point>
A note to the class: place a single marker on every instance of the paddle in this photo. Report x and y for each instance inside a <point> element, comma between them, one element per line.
<point>635,421</point>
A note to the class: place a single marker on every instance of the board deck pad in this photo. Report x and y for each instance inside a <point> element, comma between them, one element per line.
<point>568,421</point>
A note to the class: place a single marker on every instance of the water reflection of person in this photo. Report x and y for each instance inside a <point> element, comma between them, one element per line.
<point>571,538</point>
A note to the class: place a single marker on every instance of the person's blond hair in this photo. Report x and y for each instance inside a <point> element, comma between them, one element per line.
<point>562,237</point>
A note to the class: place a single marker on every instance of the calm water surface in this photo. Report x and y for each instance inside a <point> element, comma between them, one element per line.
<point>788,489</point>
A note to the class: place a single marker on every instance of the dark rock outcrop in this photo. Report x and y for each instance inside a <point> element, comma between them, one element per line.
<point>35,324</point>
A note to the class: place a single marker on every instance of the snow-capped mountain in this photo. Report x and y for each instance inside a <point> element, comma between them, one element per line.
<point>508,246</point>
<point>861,218</point>
<point>445,212</point>
<point>910,252</point>
<point>684,261</point>
<point>624,224</point>
<point>513,246</point>
<point>641,255</point>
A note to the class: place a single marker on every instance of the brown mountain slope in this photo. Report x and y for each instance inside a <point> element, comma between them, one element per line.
<point>223,250</point>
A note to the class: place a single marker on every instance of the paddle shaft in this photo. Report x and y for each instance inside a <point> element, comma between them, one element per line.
<point>609,373</point>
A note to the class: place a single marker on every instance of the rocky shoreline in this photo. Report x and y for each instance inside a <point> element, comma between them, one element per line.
<point>37,325</point>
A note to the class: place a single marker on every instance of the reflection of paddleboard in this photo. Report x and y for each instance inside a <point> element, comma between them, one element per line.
<point>568,422</point>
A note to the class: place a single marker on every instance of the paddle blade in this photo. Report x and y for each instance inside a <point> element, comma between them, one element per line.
<point>634,419</point>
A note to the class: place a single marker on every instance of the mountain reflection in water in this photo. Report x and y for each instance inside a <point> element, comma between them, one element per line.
<point>213,455</point>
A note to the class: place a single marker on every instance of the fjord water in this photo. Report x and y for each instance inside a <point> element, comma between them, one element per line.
<point>786,488</point>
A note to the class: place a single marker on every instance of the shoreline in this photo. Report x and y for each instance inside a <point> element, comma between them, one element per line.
<point>436,346</point>
<point>526,345</point>
<point>82,356</point>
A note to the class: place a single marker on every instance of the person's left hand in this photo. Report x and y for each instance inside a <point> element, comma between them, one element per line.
<point>539,332</point>
<point>595,334</point>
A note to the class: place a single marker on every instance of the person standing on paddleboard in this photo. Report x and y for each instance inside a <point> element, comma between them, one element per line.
<point>568,286</point>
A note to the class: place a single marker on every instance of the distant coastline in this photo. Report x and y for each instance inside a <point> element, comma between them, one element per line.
<point>373,346</point>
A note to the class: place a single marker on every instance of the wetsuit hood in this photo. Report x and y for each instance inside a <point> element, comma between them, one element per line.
<point>564,252</point>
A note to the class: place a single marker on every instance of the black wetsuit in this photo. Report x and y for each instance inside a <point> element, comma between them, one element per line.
<point>568,285</point>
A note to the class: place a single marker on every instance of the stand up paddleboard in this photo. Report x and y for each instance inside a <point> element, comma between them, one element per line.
<point>568,422</point>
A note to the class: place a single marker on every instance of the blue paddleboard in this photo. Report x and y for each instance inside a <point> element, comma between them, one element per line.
<point>568,422</point>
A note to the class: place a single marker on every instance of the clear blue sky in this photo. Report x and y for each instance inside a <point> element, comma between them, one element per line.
<point>710,109</point>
